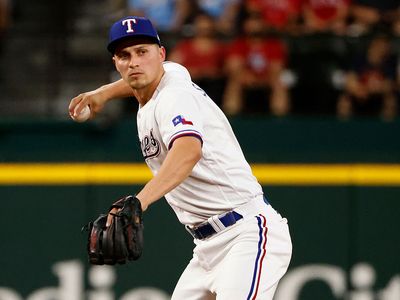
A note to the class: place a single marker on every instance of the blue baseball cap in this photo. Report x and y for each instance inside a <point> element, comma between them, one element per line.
<point>129,27</point>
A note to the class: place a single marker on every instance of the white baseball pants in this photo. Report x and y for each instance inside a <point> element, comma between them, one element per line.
<point>243,262</point>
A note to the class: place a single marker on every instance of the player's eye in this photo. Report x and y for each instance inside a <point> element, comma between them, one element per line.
<point>123,55</point>
<point>141,52</point>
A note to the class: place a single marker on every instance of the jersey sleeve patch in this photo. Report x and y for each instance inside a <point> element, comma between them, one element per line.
<point>181,120</point>
<point>183,133</point>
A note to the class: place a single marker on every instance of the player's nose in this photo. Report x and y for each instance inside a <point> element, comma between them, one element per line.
<point>134,62</point>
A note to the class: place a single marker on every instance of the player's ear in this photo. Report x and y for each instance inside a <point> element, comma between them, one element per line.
<point>115,63</point>
<point>163,54</point>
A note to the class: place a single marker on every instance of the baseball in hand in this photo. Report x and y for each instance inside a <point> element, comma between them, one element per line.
<point>83,115</point>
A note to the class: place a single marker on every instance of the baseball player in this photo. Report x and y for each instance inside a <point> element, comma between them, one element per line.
<point>242,245</point>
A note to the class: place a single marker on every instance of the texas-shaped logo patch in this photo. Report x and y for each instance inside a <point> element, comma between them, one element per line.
<point>181,120</point>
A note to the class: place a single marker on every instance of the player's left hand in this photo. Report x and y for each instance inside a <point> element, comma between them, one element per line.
<point>117,237</point>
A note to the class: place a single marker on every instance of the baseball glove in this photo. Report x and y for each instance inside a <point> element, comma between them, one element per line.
<point>122,240</point>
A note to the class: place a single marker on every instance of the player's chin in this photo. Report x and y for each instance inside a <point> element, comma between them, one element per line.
<point>137,83</point>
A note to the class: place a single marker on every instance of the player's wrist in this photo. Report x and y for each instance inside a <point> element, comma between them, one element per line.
<point>143,203</point>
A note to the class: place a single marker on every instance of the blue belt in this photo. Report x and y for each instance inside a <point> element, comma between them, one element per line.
<point>206,230</point>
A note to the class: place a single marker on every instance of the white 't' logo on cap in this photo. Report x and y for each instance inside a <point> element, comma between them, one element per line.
<point>130,23</point>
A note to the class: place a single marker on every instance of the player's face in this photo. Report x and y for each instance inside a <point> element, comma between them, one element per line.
<point>140,64</point>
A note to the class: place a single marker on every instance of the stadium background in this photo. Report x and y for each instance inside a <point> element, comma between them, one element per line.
<point>338,182</point>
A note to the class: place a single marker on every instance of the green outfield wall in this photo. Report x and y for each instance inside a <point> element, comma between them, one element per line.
<point>345,228</point>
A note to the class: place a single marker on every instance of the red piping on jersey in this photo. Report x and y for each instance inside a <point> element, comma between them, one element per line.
<point>191,133</point>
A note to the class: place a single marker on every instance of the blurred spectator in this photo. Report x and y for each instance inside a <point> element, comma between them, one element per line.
<point>203,55</point>
<point>317,61</point>
<point>325,15</point>
<point>5,21</point>
<point>5,17</point>
<point>370,14</point>
<point>370,84</point>
<point>396,22</point>
<point>255,64</point>
<point>279,15</point>
<point>167,15</point>
<point>225,12</point>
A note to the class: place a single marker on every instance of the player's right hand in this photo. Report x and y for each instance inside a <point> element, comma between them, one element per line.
<point>94,99</point>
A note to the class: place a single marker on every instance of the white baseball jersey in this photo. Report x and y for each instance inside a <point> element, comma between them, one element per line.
<point>222,179</point>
